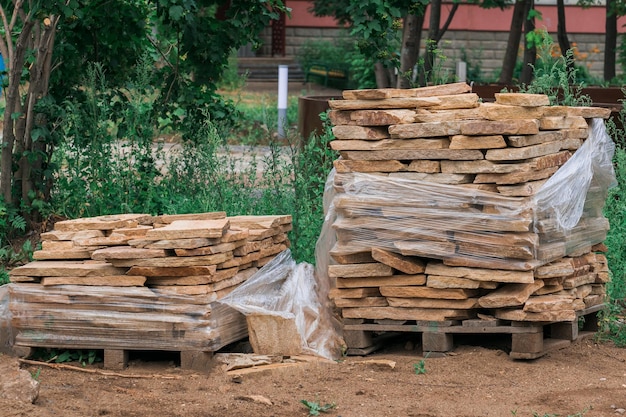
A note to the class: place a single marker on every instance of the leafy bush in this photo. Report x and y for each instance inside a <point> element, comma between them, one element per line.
<point>230,78</point>
<point>12,226</point>
<point>552,78</point>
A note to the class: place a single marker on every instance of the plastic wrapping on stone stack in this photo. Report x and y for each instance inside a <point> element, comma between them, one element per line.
<point>446,207</point>
<point>134,281</point>
<point>474,228</point>
<point>76,317</point>
<point>289,291</point>
<point>6,329</point>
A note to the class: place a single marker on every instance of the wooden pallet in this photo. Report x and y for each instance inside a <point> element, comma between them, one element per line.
<point>529,340</point>
<point>117,359</point>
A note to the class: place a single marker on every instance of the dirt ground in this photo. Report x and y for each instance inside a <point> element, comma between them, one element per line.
<point>477,379</point>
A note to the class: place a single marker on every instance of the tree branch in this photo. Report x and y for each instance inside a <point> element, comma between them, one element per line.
<point>445,26</point>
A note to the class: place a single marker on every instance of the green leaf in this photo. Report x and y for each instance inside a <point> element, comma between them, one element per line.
<point>64,357</point>
<point>16,115</point>
<point>37,133</point>
<point>176,12</point>
<point>534,14</point>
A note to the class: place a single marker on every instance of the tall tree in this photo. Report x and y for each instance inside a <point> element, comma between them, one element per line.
<point>29,30</point>
<point>561,35</point>
<point>198,39</point>
<point>610,38</point>
<point>512,45</point>
<point>374,22</point>
<point>530,46</point>
<point>411,39</point>
<point>435,33</point>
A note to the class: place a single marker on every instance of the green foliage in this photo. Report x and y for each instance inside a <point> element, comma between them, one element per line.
<point>12,227</point>
<point>613,319</point>
<point>315,408</point>
<point>320,50</point>
<point>230,78</point>
<point>362,74</point>
<point>552,78</point>
<point>109,164</point>
<point>343,53</point>
<point>376,25</point>
<point>420,367</point>
<point>81,356</point>
<point>35,375</point>
<point>438,74</point>
<point>4,276</point>
<point>312,166</point>
<point>195,40</point>
<point>257,118</point>
<point>111,33</point>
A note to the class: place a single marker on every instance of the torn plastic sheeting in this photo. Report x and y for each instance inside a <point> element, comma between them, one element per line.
<point>285,289</point>
<point>565,193</point>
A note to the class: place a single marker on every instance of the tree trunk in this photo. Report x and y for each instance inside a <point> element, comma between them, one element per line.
<point>512,45</point>
<point>13,110</point>
<point>382,76</point>
<point>431,42</point>
<point>411,39</point>
<point>610,40</point>
<point>561,34</point>
<point>530,51</point>
<point>31,164</point>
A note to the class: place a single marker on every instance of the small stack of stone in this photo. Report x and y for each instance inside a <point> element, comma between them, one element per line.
<point>135,281</point>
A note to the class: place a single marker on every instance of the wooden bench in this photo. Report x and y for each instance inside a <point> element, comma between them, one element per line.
<point>328,75</point>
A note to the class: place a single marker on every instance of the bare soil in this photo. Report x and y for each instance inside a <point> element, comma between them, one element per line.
<point>477,379</point>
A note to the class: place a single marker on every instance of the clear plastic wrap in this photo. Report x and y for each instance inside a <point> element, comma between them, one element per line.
<point>582,183</point>
<point>288,290</point>
<point>6,328</point>
<point>465,226</point>
<point>95,317</point>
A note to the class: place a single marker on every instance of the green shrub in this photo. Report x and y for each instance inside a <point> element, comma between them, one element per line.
<point>344,53</point>
<point>12,228</point>
<point>231,79</point>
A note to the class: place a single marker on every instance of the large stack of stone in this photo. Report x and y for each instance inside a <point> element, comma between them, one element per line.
<point>448,207</point>
<point>135,281</point>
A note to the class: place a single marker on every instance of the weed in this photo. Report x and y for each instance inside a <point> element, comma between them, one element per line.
<point>35,375</point>
<point>420,367</point>
<point>231,79</point>
<point>83,357</point>
<point>436,73</point>
<point>552,78</point>
<point>315,408</point>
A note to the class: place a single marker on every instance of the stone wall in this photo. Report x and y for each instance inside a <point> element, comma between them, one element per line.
<point>485,49</point>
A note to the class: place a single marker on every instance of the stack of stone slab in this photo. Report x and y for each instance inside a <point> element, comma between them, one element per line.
<point>448,208</point>
<point>135,281</point>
